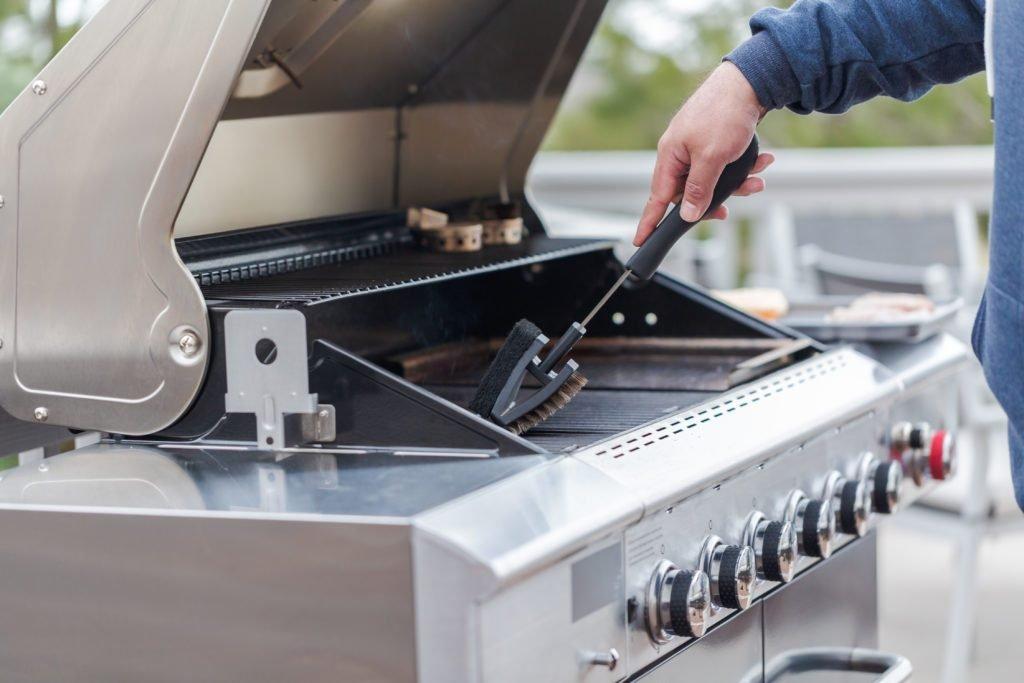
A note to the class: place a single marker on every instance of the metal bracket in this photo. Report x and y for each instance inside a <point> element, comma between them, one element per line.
<point>268,375</point>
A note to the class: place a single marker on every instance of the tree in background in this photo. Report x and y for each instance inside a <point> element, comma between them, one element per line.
<point>627,89</point>
<point>31,32</point>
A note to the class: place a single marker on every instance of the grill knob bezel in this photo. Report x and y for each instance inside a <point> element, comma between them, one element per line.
<point>679,603</point>
<point>815,524</point>
<point>886,486</point>
<point>732,570</point>
<point>775,547</point>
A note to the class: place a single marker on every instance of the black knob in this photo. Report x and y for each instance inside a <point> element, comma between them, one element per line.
<point>853,508</point>
<point>778,556</point>
<point>817,528</point>
<point>689,604</point>
<point>736,576</point>
<point>886,481</point>
<point>919,436</point>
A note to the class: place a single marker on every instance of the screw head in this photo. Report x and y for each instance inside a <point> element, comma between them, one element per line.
<point>189,344</point>
<point>39,87</point>
<point>41,414</point>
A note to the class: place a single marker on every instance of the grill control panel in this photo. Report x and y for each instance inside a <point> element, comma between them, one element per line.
<point>712,555</point>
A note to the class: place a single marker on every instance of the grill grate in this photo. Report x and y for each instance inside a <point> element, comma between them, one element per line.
<point>594,414</point>
<point>405,265</point>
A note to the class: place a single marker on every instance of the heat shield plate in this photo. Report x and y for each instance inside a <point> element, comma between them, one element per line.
<point>96,157</point>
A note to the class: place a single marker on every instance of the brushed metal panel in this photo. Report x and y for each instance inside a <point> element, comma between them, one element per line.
<point>833,604</point>
<point>671,458</point>
<point>280,169</point>
<point>730,653</point>
<point>124,597</point>
<point>536,617</point>
<point>676,532</point>
<point>95,168</point>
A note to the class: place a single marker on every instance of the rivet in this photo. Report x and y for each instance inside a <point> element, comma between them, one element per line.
<point>43,467</point>
<point>39,87</point>
<point>189,344</point>
<point>41,414</point>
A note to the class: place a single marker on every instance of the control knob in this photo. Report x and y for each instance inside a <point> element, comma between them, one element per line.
<point>851,503</point>
<point>815,524</point>
<point>942,455</point>
<point>774,545</point>
<point>732,571</point>
<point>678,603</point>
<point>885,482</point>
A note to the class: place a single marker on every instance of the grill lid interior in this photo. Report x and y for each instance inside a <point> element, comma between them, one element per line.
<point>367,105</point>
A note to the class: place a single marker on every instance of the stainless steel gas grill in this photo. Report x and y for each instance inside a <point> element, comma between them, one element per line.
<point>206,256</point>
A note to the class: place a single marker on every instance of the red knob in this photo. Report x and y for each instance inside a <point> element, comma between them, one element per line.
<point>940,456</point>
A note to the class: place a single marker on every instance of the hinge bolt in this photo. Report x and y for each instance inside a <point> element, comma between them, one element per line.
<point>39,87</point>
<point>189,344</point>
<point>41,414</point>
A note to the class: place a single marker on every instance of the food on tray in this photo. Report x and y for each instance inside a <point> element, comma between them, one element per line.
<point>882,307</point>
<point>764,302</point>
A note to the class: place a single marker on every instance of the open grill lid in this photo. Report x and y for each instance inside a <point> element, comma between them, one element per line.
<point>369,105</point>
<point>402,102</point>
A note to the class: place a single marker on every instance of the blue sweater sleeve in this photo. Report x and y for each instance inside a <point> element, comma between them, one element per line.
<point>827,55</point>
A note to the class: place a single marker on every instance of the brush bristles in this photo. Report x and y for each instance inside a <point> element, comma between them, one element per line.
<point>558,400</point>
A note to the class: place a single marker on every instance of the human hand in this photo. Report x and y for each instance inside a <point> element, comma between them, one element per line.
<point>712,129</point>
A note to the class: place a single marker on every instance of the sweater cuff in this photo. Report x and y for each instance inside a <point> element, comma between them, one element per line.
<point>764,65</point>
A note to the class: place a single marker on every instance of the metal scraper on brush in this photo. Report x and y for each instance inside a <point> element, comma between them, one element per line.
<point>498,399</point>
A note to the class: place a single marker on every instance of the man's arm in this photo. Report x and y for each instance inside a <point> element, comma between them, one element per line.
<point>827,55</point>
<point>819,55</point>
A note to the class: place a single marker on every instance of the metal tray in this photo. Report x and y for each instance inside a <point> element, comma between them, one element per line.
<point>810,317</point>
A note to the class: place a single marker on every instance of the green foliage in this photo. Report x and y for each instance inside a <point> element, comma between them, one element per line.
<point>32,36</point>
<point>634,90</point>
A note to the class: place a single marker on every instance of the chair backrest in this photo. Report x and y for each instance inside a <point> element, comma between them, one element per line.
<point>913,240</point>
<point>935,250</point>
<point>832,274</point>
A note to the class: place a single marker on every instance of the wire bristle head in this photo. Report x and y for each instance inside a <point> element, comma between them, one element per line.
<point>558,400</point>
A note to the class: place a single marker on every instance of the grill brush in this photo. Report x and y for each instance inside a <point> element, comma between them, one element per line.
<point>519,357</point>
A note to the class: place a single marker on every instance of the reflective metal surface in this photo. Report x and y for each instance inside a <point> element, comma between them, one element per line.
<point>96,163</point>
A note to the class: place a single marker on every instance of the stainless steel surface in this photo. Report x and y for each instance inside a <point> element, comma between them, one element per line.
<point>732,652</point>
<point>827,607</point>
<point>96,171</point>
<point>275,385</point>
<point>171,560</point>
<point>811,318</point>
<point>681,454</point>
<point>441,101</point>
<point>890,667</point>
<point>132,595</point>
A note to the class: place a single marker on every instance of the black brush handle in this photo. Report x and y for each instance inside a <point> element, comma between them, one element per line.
<point>649,256</point>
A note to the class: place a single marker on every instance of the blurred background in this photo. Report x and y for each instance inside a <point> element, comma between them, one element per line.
<point>891,197</point>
